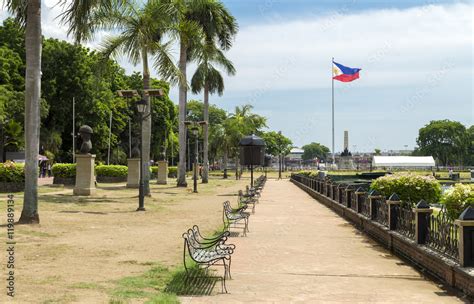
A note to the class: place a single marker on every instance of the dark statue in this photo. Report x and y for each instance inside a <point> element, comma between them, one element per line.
<point>86,133</point>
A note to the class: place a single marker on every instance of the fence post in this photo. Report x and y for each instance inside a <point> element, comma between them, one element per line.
<point>373,195</point>
<point>340,193</point>
<point>466,237</point>
<point>349,190</point>
<point>422,221</point>
<point>393,207</point>
<point>359,193</point>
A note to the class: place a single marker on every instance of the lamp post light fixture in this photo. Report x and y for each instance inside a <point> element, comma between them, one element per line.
<point>145,113</point>
<point>194,127</point>
<point>141,108</point>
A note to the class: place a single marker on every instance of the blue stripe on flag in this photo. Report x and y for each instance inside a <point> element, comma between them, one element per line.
<point>346,70</point>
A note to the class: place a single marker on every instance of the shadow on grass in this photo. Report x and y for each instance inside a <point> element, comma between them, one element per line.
<point>195,282</point>
<point>162,285</point>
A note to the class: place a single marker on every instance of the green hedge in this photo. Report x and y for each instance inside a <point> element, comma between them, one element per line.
<point>409,187</point>
<point>172,172</point>
<point>458,198</point>
<point>64,170</point>
<point>111,170</point>
<point>308,173</point>
<point>12,173</point>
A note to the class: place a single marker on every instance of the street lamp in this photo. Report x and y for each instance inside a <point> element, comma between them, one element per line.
<point>141,108</point>
<point>194,127</point>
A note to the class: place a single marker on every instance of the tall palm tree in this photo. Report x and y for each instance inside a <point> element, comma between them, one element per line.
<point>192,20</point>
<point>30,12</point>
<point>141,32</point>
<point>207,78</point>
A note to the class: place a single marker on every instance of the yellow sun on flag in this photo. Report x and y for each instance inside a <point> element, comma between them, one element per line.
<point>335,71</point>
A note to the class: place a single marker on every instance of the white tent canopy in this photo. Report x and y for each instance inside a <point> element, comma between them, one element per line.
<point>403,161</point>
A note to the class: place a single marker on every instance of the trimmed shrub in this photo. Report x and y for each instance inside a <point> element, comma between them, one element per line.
<point>111,171</point>
<point>154,171</point>
<point>409,187</point>
<point>308,173</point>
<point>12,173</point>
<point>172,172</point>
<point>458,198</point>
<point>64,170</point>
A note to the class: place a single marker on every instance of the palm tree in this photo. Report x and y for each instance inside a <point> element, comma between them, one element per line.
<point>207,78</point>
<point>31,13</point>
<point>193,20</point>
<point>141,32</point>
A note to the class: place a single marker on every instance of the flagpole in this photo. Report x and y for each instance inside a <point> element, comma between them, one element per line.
<point>332,78</point>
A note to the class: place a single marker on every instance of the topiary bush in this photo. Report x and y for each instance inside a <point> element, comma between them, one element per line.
<point>409,187</point>
<point>172,172</point>
<point>12,173</point>
<point>64,170</point>
<point>308,173</point>
<point>111,171</point>
<point>458,198</point>
<point>154,171</point>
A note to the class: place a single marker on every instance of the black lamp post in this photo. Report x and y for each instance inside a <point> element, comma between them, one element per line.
<point>141,108</point>
<point>193,126</point>
<point>196,151</point>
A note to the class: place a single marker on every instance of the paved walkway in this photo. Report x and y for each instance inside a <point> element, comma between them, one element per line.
<point>299,251</point>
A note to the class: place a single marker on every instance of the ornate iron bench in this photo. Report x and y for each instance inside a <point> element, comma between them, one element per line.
<point>212,252</point>
<point>235,218</point>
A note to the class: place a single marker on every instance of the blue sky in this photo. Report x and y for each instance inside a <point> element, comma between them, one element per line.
<point>416,59</point>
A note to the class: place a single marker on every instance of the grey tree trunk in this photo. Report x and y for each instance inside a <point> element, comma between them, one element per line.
<point>182,117</point>
<point>205,167</point>
<point>33,41</point>
<point>146,127</point>
<point>225,162</point>
<point>237,167</point>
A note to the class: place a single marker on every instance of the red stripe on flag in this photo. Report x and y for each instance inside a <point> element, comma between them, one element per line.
<point>346,77</point>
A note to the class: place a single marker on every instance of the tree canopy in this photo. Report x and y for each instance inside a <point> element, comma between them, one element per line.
<point>313,150</point>
<point>448,141</point>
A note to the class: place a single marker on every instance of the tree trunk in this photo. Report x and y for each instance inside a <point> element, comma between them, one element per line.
<point>225,163</point>
<point>29,214</point>
<point>236,167</point>
<point>205,167</point>
<point>182,117</point>
<point>146,127</point>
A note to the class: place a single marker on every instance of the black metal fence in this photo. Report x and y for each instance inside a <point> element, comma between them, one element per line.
<point>442,234</point>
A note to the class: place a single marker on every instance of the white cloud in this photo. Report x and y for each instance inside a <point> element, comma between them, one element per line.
<point>393,47</point>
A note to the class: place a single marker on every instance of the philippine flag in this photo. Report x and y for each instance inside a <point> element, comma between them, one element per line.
<point>343,73</point>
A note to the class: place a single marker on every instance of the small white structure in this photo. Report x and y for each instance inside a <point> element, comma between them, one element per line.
<point>295,154</point>
<point>403,161</point>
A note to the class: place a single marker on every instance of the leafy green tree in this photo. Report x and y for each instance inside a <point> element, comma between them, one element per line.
<point>377,151</point>
<point>445,140</point>
<point>313,150</point>
<point>276,143</point>
<point>208,78</point>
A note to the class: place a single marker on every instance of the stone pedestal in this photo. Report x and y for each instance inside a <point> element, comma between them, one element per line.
<point>85,175</point>
<point>162,172</point>
<point>346,163</point>
<point>133,177</point>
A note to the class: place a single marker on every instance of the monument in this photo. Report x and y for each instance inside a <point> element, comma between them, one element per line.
<point>345,161</point>
<point>133,176</point>
<point>85,173</point>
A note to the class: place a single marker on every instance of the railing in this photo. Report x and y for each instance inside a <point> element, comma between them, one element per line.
<point>365,204</point>
<point>405,221</point>
<point>354,201</point>
<point>381,211</point>
<point>443,234</point>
